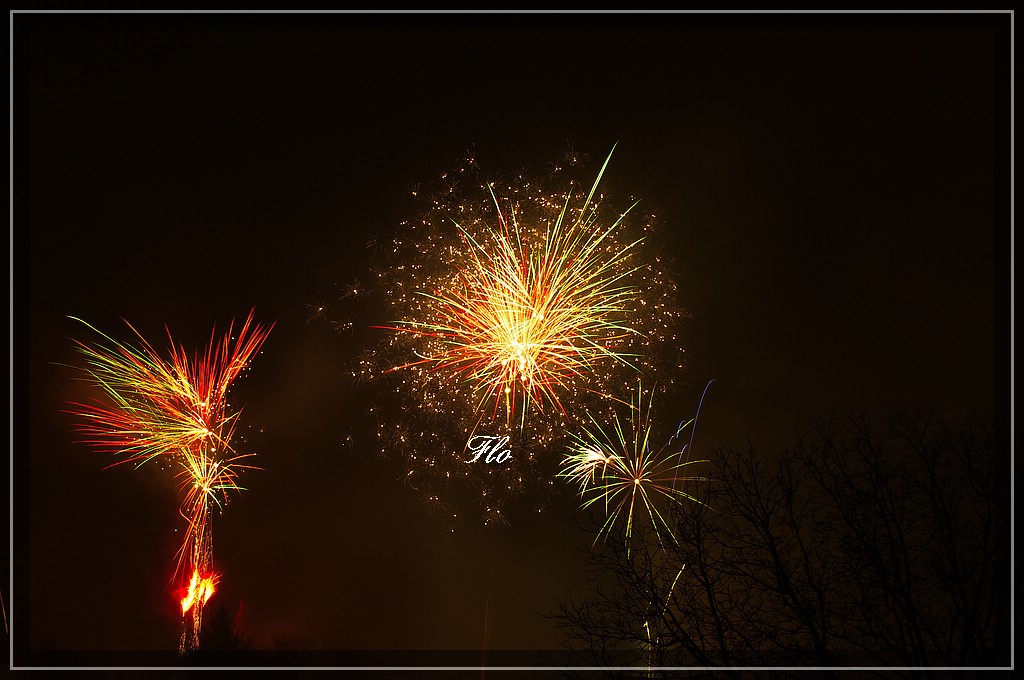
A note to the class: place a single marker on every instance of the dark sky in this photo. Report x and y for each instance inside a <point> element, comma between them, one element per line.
<point>834,187</point>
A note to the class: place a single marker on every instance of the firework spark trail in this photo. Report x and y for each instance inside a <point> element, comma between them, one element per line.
<point>175,410</point>
<point>520,304</point>
<point>619,467</point>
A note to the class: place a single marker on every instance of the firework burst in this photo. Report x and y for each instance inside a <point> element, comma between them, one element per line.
<point>618,469</point>
<point>515,306</point>
<point>532,308</point>
<point>175,410</point>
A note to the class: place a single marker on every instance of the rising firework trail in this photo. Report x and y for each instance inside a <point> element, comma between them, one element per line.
<point>174,410</point>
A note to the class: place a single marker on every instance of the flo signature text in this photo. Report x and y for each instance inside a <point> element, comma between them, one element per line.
<point>489,448</point>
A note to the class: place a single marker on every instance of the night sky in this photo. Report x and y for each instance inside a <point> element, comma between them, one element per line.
<point>834,188</point>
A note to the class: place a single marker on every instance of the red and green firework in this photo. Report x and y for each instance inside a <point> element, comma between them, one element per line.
<point>174,409</point>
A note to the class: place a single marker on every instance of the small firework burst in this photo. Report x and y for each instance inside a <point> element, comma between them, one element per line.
<point>618,469</point>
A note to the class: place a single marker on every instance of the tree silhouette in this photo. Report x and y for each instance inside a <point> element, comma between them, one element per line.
<point>868,543</point>
<point>219,633</point>
<point>221,643</point>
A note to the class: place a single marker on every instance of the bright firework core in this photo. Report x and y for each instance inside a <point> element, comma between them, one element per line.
<point>199,588</point>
